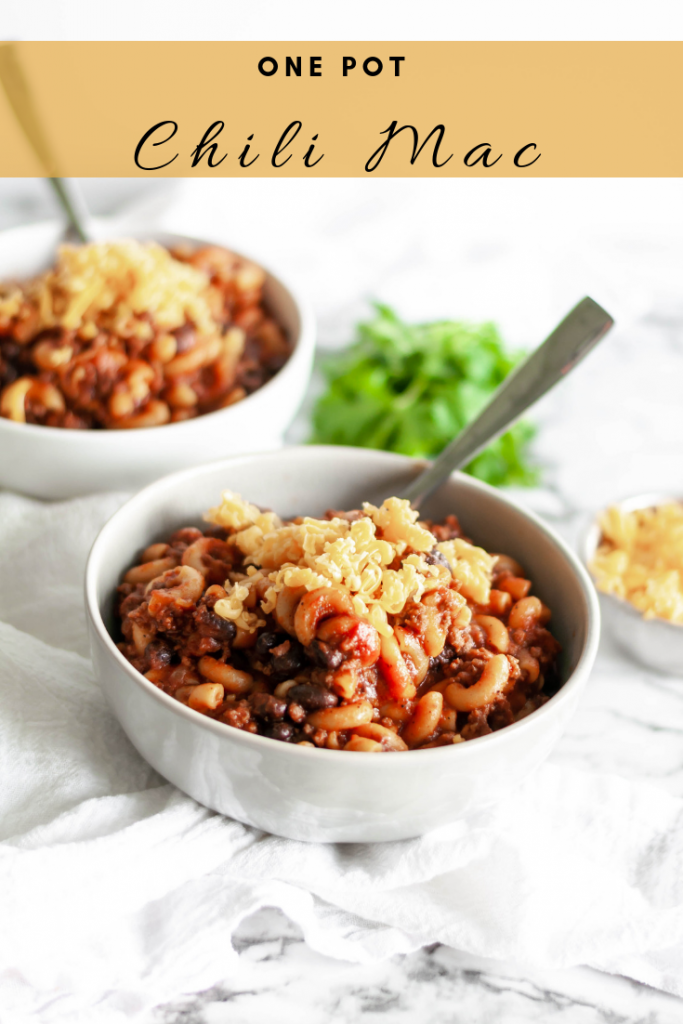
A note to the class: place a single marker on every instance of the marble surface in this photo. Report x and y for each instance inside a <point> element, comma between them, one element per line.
<point>280,978</point>
<point>521,256</point>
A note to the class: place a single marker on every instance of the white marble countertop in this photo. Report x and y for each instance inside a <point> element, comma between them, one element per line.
<point>520,253</point>
<point>280,978</point>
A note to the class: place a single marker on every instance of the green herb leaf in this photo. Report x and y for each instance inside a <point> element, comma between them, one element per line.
<point>411,388</point>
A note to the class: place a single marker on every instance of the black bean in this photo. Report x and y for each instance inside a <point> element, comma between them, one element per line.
<point>281,731</point>
<point>266,640</point>
<point>158,654</point>
<point>265,705</point>
<point>210,624</point>
<point>312,697</point>
<point>324,655</point>
<point>289,663</point>
<point>219,532</point>
<point>446,655</point>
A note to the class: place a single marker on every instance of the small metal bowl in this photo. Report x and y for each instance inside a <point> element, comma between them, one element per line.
<point>655,643</point>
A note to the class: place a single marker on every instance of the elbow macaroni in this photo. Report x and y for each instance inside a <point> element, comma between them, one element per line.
<point>359,632</point>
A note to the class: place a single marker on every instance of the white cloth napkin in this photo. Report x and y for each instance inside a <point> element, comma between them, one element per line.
<point>117,892</point>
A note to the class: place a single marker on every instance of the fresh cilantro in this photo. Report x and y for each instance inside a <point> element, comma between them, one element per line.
<point>411,388</point>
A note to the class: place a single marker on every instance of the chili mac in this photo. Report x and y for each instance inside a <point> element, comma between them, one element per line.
<point>128,334</point>
<point>364,631</point>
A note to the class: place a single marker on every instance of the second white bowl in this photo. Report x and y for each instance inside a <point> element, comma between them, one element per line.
<point>655,643</point>
<point>50,462</point>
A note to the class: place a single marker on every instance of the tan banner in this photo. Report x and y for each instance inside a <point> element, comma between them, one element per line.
<point>375,109</point>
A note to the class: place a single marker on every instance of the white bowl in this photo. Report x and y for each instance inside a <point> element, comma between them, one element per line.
<point>655,643</point>
<point>51,462</point>
<point>325,795</point>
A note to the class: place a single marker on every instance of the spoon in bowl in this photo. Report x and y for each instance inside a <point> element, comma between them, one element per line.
<point>71,200</point>
<point>569,343</point>
<point>22,102</point>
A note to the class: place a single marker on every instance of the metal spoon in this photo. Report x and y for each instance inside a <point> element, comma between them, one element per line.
<point>574,338</point>
<point>23,104</point>
<point>72,202</point>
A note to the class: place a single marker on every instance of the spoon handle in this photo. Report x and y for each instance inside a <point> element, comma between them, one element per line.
<point>18,91</point>
<point>571,340</point>
<point>71,200</point>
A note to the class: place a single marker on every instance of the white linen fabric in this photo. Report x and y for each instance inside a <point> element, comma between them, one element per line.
<point>118,892</point>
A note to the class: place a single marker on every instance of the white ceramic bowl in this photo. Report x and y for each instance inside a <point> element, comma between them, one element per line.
<point>326,795</point>
<point>49,462</point>
<point>655,643</point>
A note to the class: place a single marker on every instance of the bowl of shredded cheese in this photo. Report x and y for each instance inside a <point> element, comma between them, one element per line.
<point>634,552</point>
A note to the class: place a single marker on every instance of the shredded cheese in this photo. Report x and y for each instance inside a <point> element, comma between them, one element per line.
<point>640,559</point>
<point>116,286</point>
<point>359,557</point>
